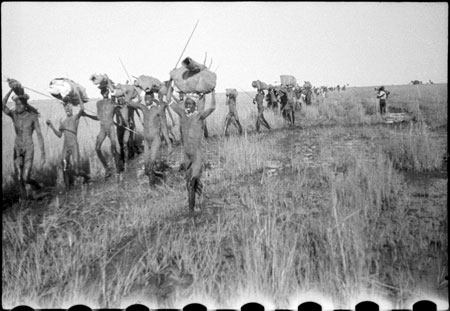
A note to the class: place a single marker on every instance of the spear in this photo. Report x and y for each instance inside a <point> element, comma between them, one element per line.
<point>125,70</point>
<point>246,93</point>
<point>187,44</point>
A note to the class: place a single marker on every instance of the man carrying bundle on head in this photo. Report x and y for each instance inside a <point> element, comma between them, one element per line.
<point>122,95</point>
<point>232,116</point>
<point>150,86</point>
<point>191,121</point>
<point>287,104</point>
<point>71,150</point>
<point>152,110</point>
<point>25,121</point>
<point>258,100</point>
<point>192,78</point>
<point>105,84</point>
<point>106,110</point>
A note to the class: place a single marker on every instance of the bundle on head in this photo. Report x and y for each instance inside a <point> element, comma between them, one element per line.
<point>102,80</point>
<point>164,88</point>
<point>126,90</point>
<point>148,83</point>
<point>231,92</point>
<point>307,85</point>
<point>288,80</point>
<point>260,85</point>
<point>16,86</point>
<point>68,91</point>
<point>193,77</point>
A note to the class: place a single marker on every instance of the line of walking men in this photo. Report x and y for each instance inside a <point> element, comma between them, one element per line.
<point>115,112</point>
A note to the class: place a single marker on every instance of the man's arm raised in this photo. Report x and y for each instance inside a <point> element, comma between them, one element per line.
<point>208,111</point>
<point>81,112</point>
<point>175,103</point>
<point>136,105</point>
<point>4,107</point>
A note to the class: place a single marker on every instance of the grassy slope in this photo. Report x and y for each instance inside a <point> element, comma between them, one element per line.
<point>339,226</point>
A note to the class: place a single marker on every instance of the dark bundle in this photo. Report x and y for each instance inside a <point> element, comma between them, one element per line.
<point>193,77</point>
<point>102,80</point>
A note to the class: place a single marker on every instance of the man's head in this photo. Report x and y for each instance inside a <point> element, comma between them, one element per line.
<point>105,92</point>
<point>69,110</point>
<point>121,100</point>
<point>190,104</point>
<point>21,102</point>
<point>149,96</point>
<point>381,88</point>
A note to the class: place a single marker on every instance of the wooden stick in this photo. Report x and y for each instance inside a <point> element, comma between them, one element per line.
<point>246,93</point>
<point>186,44</point>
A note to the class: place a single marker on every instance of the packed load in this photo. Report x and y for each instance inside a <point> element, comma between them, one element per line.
<point>260,85</point>
<point>288,80</point>
<point>193,77</point>
<point>20,94</point>
<point>16,87</point>
<point>307,85</point>
<point>68,91</point>
<point>147,83</point>
<point>102,80</point>
<point>231,92</point>
<point>127,90</point>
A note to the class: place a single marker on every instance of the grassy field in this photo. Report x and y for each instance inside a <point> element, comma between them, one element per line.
<point>322,211</point>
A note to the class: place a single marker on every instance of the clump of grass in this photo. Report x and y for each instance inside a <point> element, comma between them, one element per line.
<point>242,155</point>
<point>414,150</point>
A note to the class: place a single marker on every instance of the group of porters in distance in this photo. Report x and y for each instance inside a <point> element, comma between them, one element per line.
<point>116,110</point>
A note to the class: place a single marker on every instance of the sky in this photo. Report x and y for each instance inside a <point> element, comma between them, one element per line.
<point>326,43</point>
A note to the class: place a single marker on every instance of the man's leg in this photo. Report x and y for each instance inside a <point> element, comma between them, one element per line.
<point>264,122</point>
<point>18,167</point>
<point>115,150</point>
<point>120,140</point>
<point>125,150</point>
<point>77,164</point>
<point>27,166</point>
<point>154,150</point>
<point>98,149</point>
<point>165,133</point>
<point>65,161</point>
<point>258,118</point>
<point>227,122</point>
<point>205,129</point>
<point>236,120</point>
<point>193,183</point>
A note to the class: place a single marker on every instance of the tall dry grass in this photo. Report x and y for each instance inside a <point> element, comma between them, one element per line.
<point>338,228</point>
<point>414,149</point>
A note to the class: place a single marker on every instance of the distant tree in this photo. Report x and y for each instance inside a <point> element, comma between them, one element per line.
<point>416,82</point>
